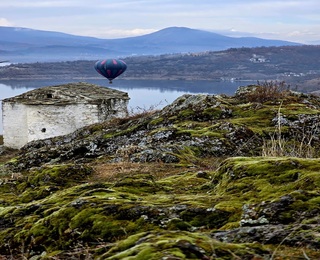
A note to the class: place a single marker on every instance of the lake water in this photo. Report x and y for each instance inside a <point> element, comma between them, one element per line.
<point>144,94</point>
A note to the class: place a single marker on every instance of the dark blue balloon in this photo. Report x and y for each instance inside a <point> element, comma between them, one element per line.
<point>110,68</point>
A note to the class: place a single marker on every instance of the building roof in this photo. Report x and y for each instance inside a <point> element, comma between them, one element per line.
<point>71,93</point>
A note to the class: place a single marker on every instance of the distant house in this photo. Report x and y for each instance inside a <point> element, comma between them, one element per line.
<point>58,110</point>
<point>258,59</point>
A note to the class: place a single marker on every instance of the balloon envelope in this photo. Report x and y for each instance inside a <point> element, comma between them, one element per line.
<point>110,68</point>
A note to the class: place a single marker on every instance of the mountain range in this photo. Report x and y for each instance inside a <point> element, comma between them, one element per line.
<point>28,45</point>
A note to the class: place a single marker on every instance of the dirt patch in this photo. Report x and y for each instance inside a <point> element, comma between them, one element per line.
<point>7,154</point>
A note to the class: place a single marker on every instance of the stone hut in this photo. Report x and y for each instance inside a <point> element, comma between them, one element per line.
<point>58,110</point>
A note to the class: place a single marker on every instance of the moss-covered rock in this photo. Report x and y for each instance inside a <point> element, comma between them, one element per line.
<point>244,191</point>
<point>214,125</point>
<point>181,245</point>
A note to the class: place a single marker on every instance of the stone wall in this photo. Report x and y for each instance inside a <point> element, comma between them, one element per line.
<point>14,118</point>
<point>32,117</point>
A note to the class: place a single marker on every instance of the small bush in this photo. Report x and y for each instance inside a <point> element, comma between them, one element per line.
<point>268,91</point>
<point>139,112</point>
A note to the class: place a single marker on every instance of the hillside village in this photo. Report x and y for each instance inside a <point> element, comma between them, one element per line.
<point>206,177</point>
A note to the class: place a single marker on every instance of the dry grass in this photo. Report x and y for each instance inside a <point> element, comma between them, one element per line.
<point>112,171</point>
<point>279,147</point>
<point>143,111</point>
<point>300,146</point>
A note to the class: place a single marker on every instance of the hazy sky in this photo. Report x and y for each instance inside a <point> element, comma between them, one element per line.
<point>294,20</point>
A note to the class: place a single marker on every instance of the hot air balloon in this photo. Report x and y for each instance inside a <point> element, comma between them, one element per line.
<point>110,68</point>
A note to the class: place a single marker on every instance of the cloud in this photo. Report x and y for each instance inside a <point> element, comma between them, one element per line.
<point>40,4</point>
<point>5,22</point>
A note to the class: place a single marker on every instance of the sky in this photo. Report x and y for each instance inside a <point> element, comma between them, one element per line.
<point>292,20</point>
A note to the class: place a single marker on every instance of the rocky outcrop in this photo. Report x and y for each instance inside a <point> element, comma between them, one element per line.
<point>201,125</point>
<point>283,197</point>
<point>296,236</point>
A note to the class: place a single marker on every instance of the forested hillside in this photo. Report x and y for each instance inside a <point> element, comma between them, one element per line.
<point>296,65</point>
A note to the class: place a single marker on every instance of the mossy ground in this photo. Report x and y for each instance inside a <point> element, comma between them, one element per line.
<point>96,209</point>
<point>103,209</point>
<point>251,180</point>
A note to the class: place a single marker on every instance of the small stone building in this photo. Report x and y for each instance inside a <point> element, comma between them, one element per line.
<point>58,110</point>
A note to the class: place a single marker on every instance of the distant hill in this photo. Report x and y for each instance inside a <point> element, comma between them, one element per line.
<point>296,65</point>
<point>28,45</point>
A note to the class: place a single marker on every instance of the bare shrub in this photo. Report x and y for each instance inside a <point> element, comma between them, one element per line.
<point>133,114</point>
<point>140,112</point>
<point>268,90</point>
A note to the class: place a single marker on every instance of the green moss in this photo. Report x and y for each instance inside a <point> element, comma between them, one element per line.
<point>173,118</point>
<point>187,113</point>
<point>156,121</point>
<point>229,206</point>
<point>212,113</point>
<point>96,127</point>
<point>59,175</point>
<point>208,218</point>
<point>38,193</point>
<point>182,245</point>
<point>120,132</point>
<point>294,109</point>
<point>189,155</point>
<point>258,119</point>
<point>104,228</point>
<point>178,224</point>
<point>184,184</point>
<point>161,129</point>
<point>250,180</point>
<point>203,130</point>
<point>83,218</point>
<point>44,182</point>
<point>315,201</point>
<point>230,225</point>
<point>138,184</point>
<point>57,215</point>
<point>13,160</point>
